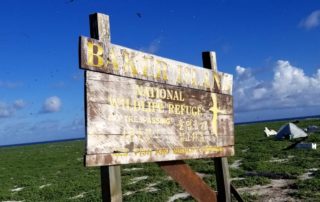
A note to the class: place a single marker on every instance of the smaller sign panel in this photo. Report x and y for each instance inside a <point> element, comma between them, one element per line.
<point>131,121</point>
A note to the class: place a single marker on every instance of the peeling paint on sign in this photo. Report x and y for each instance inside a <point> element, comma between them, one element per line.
<point>145,108</point>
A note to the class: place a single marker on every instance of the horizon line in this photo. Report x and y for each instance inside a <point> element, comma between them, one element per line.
<point>237,123</point>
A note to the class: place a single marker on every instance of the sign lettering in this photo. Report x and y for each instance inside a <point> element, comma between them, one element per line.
<point>122,61</point>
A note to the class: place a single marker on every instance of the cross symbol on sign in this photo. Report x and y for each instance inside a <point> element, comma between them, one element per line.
<point>216,79</point>
<point>215,111</point>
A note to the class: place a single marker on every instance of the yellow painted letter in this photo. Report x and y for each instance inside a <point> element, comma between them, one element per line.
<point>95,55</point>
<point>128,63</point>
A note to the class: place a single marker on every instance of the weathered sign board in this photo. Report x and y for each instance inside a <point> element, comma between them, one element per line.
<point>145,108</point>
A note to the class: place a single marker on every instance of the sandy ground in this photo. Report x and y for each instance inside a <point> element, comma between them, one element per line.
<point>149,188</point>
<point>278,190</point>
<point>137,179</point>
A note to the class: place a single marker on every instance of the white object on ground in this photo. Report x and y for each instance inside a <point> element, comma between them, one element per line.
<point>290,131</point>
<point>17,189</point>
<point>178,196</point>
<point>306,146</point>
<point>269,132</point>
<point>43,186</point>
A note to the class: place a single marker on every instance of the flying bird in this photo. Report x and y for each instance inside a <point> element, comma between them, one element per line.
<point>139,15</point>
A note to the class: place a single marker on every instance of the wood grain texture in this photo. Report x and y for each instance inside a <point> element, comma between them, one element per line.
<point>110,175</point>
<point>100,27</point>
<point>155,156</point>
<point>117,124</point>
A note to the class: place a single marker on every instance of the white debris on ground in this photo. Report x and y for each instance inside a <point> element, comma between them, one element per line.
<point>269,132</point>
<point>278,190</point>
<point>277,160</point>
<point>168,178</point>
<point>132,169</point>
<point>148,188</point>
<point>151,187</point>
<point>17,189</point>
<point>202,175</point>
<point>81,195</point>
<point>138,179</point>
<point>308,174</point>
<point>236,164</point>
<point>183,195</point>
<point>245,150</point>
<point>303,145</point>
<point>12,201</point>
<point>128,193</point>
<point>237,178</point>
<point>43,186</point>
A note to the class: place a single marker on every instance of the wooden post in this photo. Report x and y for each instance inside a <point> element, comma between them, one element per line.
<point>222,178</point>
<point>189,180</point>
<point>236,193</point>
<point>111,183</point>
<point>221,164</point>
<point>110,175</point>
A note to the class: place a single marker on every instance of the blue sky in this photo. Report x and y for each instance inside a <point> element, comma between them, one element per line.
<point>271,47</point>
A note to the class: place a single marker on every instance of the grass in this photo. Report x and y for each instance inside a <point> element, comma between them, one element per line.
<point>55,171</point>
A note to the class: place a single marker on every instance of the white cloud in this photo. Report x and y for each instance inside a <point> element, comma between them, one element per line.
<point>259,93</point>
<point>19,104</point>
<point>153,47</point>
<point>312,21</point>
<point>290,87</point>
<point>59,84</point>
<point>51,104</point>
<point>240,70</point>
<point>9,84</point>
<point>40,130</point>
<point>76,124</point>
<point>5,110</point>
<point>289,79</point>
<point>78,76</point>
<point>8,110</point>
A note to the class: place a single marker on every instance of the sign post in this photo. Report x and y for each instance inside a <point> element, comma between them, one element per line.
<point>144,108</point>
<point>220,163</point>
<point>110,175</point>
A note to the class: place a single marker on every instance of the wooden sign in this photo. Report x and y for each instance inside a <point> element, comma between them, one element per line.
<point>145,108</point>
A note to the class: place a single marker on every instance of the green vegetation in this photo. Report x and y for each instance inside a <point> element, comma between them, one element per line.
<point>55,172</point>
